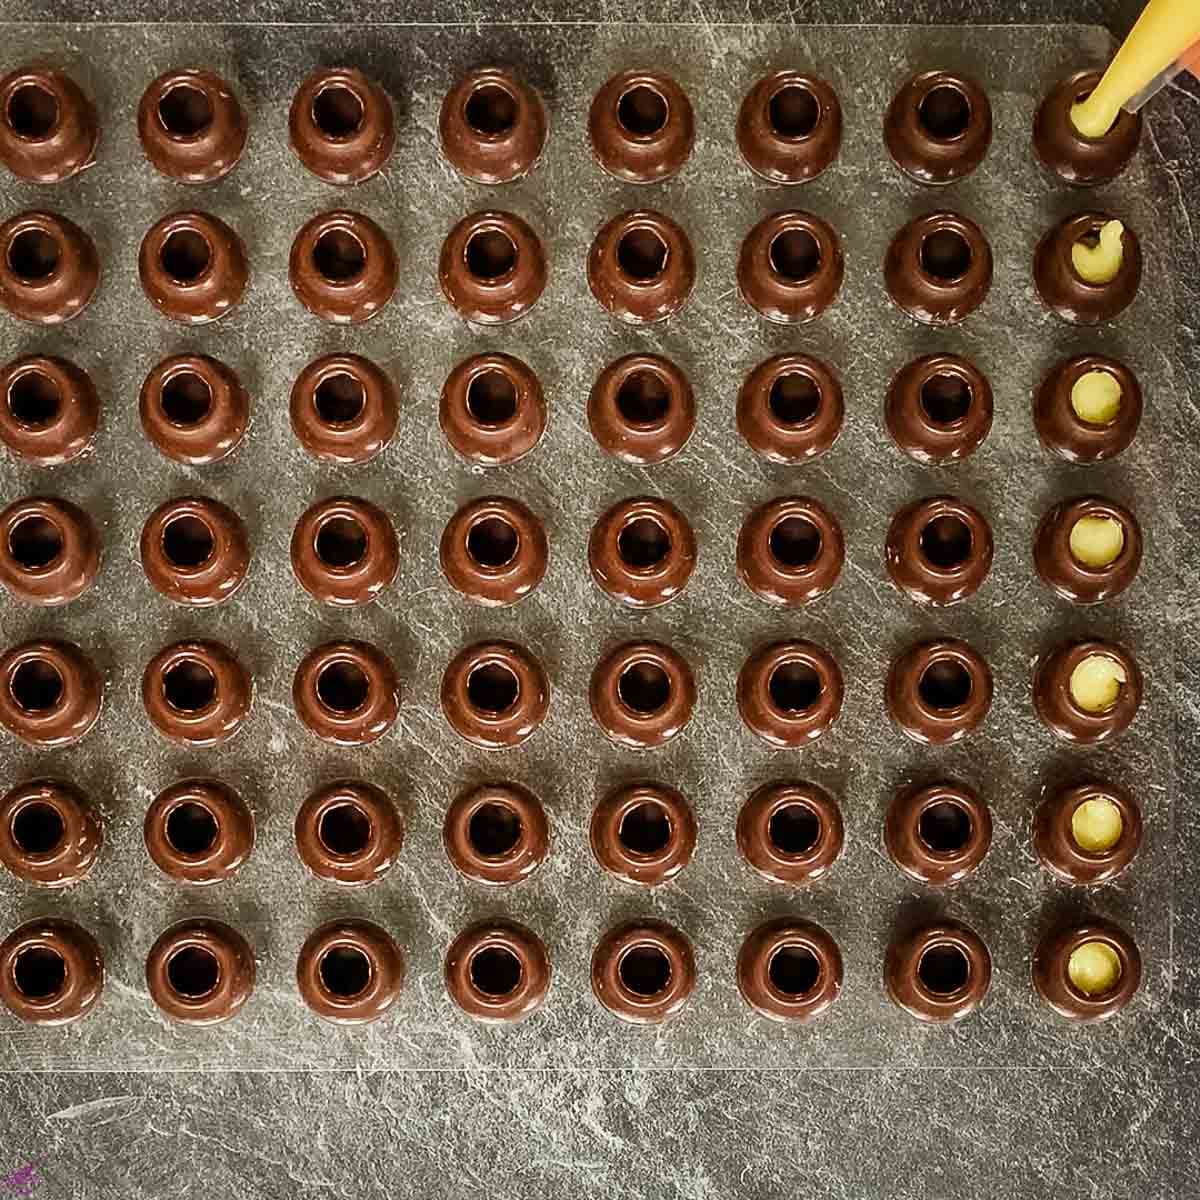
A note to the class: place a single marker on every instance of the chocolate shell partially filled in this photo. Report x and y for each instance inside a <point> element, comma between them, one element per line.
<point>643,833</point>
<point>939,691</point>
<point>198,831</point>
<point>790,408</point>
<point>1071,578</point>
<point>49,551</point>
<point>200,972</point>
<point>642,552</point>
<point>939,408</point>
<point>939,833</point>
<point>193,267</point>
<point>790,551</point>
<point>492,126</point>
<point>1052,977</point>
<point>939,972</point>
<point>350,972</point>
<point>1072,155</point>
<point>789,970</point>
<point>641,268</point>
<point>938,268</point>
<point>342,267</point>
<point>790,693</point>
<point>191,125</point>
<point>494,551</point>
<point>341,125</point>
<point>495,694</point>
<point>196,693</point>
<point>643,971</point>
<point>789,127</point>
<point>348,832</point>
<point>49,410</point>
<point>195,551</point>
<point>51,972</point>
<point>50,693</point>
<point>641,126</point>
<point>194,409</point>
<point>492,409</point>
<point>343,409</point>
<point>939,551</point>
<point>346,693</point>
<point>791,267</point>
<point>49,268</point>
<point>938,127</point>
<point>496,833</point>
<point>49,835</point>
<point>345,551</point>
<point>642,409</point>
<point>497,971</point>
<point>642,694</point>
<point>48,126</point>
<point>492,268</point>
<point>790,832</point>
<point>1058,708</point>
<point>1062,852</point>
<point>1061,287</point>
<point>1061,428</point>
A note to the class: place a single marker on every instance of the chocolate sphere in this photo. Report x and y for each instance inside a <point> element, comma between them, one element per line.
<point>641,268</point>
<point>642,694</point>
<point>345,551</point>
<point>1073,436</point>
<point>195,551</point>
<point>790,408</point>
<point>49,410</point>
<point>49,551</point>
<point>939,972</point>
<point>349,833</point>
<point>1089,861</point>
<point>790,268</point>
<point>51,972</point>
<point>1065,292</point>
<point>938,127</point>
<point>198,831</point>
<point>350,972</point>
<point>193,267</point>
<point>1070,154</point>
<point>50,693</point>
<point>642,409</point>
<point>790,832</point>
<point>196,693</point>
<point>49,268</point>
<point>790,551</point>
<point>1073,578</point>
<point>191,126</point>
<point>790,693</point>
<point>642,552</point>
<point>643,833</point>
<point>493,551</point>
<point>492,126</point>
<point>48,126</point>
<point>789,128</point>
<point>789,970</point>
<point>939,691</point>
<point>939,408</point>
<point>343,409</point>
<point>643,971</point>
<point>341,125</point>
<point>939,551</point>
<point>937,834</point>
<point>200,972</point>
<point>641,127</point>
<point>938,268</point>
<point>492,410</point>
<point>496,833</point>
<point>342,267</point>
<point>495,694</point>
<point>492,268</point>
<point>1061,712</point>
<point>1052,975</point>
<point>346,693</point>
<point>194,409</point>
<point>497,971</point>
<point>49,835</point>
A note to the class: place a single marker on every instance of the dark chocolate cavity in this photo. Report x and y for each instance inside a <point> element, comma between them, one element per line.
<point>49,268</point>
<point>198,831</point>
<point>939,408</point>
<point>497,971</point>
<point>196,693</point>
<point>939,691</point>
<point>49,551</point>
<point>643,833</point>
<point>48,126</point>
<point>938,127</point>
<point>790,551</point>
<point>641,268</point>
<point>195,551</point>
<point>789,128</point>
<point>791,267</point>
<point>790,832</point>
<point>495,694</point>
<point>641,126</point>
<point>642,694</point>
<point>790,693</point>
<point>789,970</point>
<point>191,126</point>
<point>939,833</point>
<point>496,833</point>
<point>342,267</point>
<point>341,125</point>
<point>643,971</point>
<point>939,972</point>
<point>938,268</point>
<point>492,126</point>
<point>494,551</point>
<point>642,552</point>
<point>49,835</point>
<point>939,551</point>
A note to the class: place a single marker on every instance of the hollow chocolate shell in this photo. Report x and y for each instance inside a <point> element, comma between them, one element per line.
<point>48,126</point>
<point>790,832</point>
<point>938,127</point>
<point>49,551</point>
<point>196,693</point>
<point>492,409</point>
<point>497,971</point>
<point>642,552</point>
<point>195,551</point>
<point>1087,833</point>
<point>790,551</point>
<point>200,972</point>
<point>789,128</point>
<point>345,551</point>
<point>1055,701</point>
<point>346,693</point>
<point>198,831</point>
<point>496,833</point>
<point>938,268</point>
<point>939,551</point>
<point>939,408</point>
<point>341,125</point>
<point>350,972</point>
<point>50,693</point>
<point>789,970</point>
<point>51,972</point>
<point>1057,965</point>
<point>349,832</point>
<point>191,126</point>
<point>642,694</point>
<point>492,268</point>
<point>938,834</point>
<point>1061,287</point>
<point>493,551</point>
<point>495,694</point>
<point>1082,434</point>
<point>642,409</point>
<point>193,267</point>
<point>939,691</point>
<point>641,127</point>
<point>342,267</point>
<point>643,833</point>
<point>790,409</point>
<point>343,409</point>
<point>641,268</point>
<point>938,973</point>
<point>790,268</point>
<point>49,268</point>
<point>49,836</point>
<point>1057,558</point>
<point>49,411</point>
<point>1070,154</point>
<point>194,409</point>
<point>790,693</point>
<point>643,971</point>
<point>492,126</point>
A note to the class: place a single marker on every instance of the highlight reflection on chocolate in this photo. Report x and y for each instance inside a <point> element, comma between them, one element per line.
<point>194,409</point>
<point>789,127</point>
<point>790,268</point>
<point>492,268</point>
<point>642,409</point>
<point>641,268</point>
<point>939,551</point>
<point>496,833</point>
<point>51,972</point>
<point>50,693</point>
<point>196,693</point>
<point>1073,430</point>
<point>642,552</point>
<point>1061,287</point>
<point>348,832</point>
<point>495,694</point>
<point>492,126</point>
<point>643,833</point>
<point>789,970</point>
<point>643,971</point>
<point>1052,969</point>
<point>642,694</point>
<point>49,835</point>
<point>938,973</point>
<point>938,127</point>
<point>938,268</point>
<point>790,693</point>
<point>790,551</point>
<point>493,551</point>
<point>346,693</point>
<point>195,551</point>
<point>641,126</point>
<point>341,125</point>
<point>198,831</point>
<point>790,408</point>
<point>1056,688</point>
<point>49,268</point>
<point>342,267</point>
<point>49,551</point>
<point>49,410</point>
<point>790,832</point>
<point>939,408</point>
<point>350,972</point>
<point>492,409</point>
<point>938,834</point>
<point>48,125</point>
<point>343,409</point>
<point>1087,580</point>
<point>939,691</point>
<point>1083,852</point>
<point>191,126</point>
<point>200,972</point>
<point>193,267</point>
<point>344,551</point>
<point>497,971</point>
<point>1070,154</point>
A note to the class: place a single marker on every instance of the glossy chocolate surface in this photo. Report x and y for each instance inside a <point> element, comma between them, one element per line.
<point>343,409</point>
<point>50,693</point>
<point>350,971</point>
<point>939,408</point>
<point>196,693</point>
<point>939,691</point>
<point>643,971</point>
<point>939,833</point>
<point>195,551</point>
<point>49,551</point>
<point>642,694</point>
<point>1064,573</point>
<point>791,267</point>
<point>349,832</point>
<point>194,409</point>
<point>341,125</point>
<point>790,693</point>
<point>193,267</point>
<point>345,551</point>
<point>643,833</point>
<point>342,267</point>
<point>1067,152</point>
<point>200,972</point>
<point>1054,838</point>
<point>49,268</point>
<point>493,551</point>
<point>642,409</point>
<point>495,694</point>
<point>641,268</point>
<point>790,408</point>
<point>492,126</point>
<point>492,268</point>
<point>346,693</point>
<point>938,268</point>
<point>48,126</point>
<point>198,831</point>
<point>492,409</point>
<point>51,972</point>
<point>1060,427</point>
<point>1060,286</point>
<point>49,834</point>
<point>641,126</point>
<point>790,551</point>
<point>789,127</point>
<point>939,972</point>
<point>1052,692</point>
<point>790,832</point>
<point>939,551</point>
<point>497,971</point>
<point>789,970</point>
<point>1054,985</point>
<point>642,552</point>
<point>191,125</point>
<point>938,127</point>
<point>49,410</point>
<point>496,833</point>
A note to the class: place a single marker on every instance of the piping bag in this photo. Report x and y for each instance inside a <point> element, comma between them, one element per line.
<point>1165,41</point>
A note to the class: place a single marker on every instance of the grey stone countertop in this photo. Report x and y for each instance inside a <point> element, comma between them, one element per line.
<point>928,1134</point>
